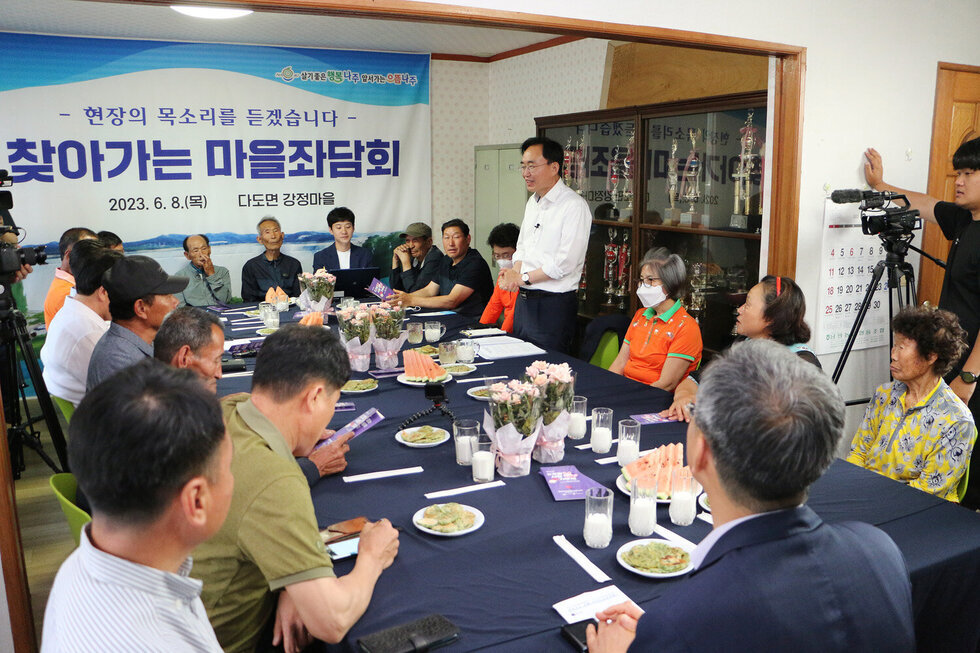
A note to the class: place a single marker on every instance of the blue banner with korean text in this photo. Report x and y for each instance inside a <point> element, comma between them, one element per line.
<point>154,140</point>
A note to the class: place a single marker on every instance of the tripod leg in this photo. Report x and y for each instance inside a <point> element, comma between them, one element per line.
<point>909,273</point>
<point>856,328</point>
<point>43,398</point>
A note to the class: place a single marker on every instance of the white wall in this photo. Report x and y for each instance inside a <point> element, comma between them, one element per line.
<point>870,81</point>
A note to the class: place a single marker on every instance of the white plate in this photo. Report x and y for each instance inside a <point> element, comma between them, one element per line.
<point>629,545</point>
<point>266,331</point>
<point>469,368</point>
<point>419,384</point>
<point>360,392</point>
<point>422,445</point>
<point>471,394</point>
<point>625,488</point>
<point>252,313</point>
<point>703,502</point>
<point>477,522</point>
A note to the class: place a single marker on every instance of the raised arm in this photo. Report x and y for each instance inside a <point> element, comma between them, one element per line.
<point>874,172</point>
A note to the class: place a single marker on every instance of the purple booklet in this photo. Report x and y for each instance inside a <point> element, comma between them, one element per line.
<point>567,483</point>
<point>358,425</point>
<point>380,290</point>
<point>651,418</point>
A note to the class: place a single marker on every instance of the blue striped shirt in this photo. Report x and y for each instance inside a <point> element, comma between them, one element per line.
<point>103,603</point>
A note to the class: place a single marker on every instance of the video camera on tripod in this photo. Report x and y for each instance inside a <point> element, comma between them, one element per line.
<point>878,219</point>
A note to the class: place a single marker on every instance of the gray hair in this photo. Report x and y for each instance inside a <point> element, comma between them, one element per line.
<point>772,421</point>
<point>669,267</point>
<point>268,218</point>
<point>187,325</point>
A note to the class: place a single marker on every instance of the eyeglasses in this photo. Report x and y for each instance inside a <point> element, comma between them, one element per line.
<point>649,280</point>
<point>530,167</point>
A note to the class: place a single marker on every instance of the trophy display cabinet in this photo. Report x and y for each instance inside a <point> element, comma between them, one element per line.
<point>687,176</point>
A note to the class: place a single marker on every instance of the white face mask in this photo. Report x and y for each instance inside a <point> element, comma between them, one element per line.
<point>650,295</point>
<point>504,263</point>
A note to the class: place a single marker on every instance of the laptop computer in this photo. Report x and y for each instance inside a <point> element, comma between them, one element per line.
<point>353,282</point>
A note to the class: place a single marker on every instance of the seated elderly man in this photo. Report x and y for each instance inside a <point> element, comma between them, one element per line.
<point>771,575</point>
<point>80,323</point>
<point>192,338</point>
<point>916,430</point>
<point>415,262</point>
<point>266,574</point>
<point>209,283</point>
<point>149,449</point>
<point>140,296</point>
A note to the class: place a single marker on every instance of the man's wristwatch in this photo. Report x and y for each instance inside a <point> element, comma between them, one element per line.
<point>526,278</point>
<point>968,377</point>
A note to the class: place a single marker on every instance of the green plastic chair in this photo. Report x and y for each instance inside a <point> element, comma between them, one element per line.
<point>607,350</point>
<point>67,408</point>
<point>65,488</point>
<point>963,484</point>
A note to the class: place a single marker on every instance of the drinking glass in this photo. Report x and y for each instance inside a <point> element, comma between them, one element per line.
<point>683,507</point>
<point>269,315</point>
<point>601,430</point>
<point>643,504</point>
<point>434,331</point>
<point>465,351</point>
<point>598,518</point>
<point>628,448</point>
<point>482,459</point>
<point>576,422</point>
<point>447,352</point>
<point>465,432</point>
<point>414,333</point>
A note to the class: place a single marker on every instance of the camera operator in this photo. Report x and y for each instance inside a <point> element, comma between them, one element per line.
<point>960,223</point>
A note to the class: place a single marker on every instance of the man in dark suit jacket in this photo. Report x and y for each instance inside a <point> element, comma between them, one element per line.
<point>342,255</point>
<point>771,576</point>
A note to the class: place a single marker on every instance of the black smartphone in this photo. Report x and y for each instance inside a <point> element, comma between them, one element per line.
<point>575,633</point>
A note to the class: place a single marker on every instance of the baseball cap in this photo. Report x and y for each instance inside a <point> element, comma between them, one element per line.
<point>132,277</point>
<point>417,230</point>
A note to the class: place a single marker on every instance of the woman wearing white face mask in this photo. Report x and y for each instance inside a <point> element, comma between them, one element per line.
<point>663,342</point>
<point>503,241</point>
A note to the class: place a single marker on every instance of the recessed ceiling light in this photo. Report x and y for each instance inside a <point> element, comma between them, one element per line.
<point>210,12</point>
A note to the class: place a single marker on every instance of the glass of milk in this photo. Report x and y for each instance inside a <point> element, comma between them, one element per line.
<point>682,498</point>
<point>465,434</point>
<point>465,351</point>
<point>482,459</point>
<point>598,517</point>
<point>628,448</point>
<point>576,422</point>
<point>643,504</point>
<point>601,430</point>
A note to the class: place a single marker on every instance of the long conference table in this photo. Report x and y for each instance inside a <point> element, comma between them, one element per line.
<point>498,584</point>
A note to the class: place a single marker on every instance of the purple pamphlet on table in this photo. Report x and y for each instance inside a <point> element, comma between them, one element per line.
<point>651,418</point>
<point>567,483</point>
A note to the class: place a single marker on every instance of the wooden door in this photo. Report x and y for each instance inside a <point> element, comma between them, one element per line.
<point>956,119</point>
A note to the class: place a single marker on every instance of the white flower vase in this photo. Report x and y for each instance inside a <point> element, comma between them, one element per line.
<point>512,450</point>
<point>386,351</point>
<point>550,447</point>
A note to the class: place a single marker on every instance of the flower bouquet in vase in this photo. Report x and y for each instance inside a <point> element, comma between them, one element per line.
<point>355,334</point>
<point>513,424</point>
<point>556,383</point>
<point>316,290</point>
<point>388,334</point>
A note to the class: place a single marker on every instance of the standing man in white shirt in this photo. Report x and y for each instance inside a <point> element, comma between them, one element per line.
<point>550,251</point>
<point>79,324</point>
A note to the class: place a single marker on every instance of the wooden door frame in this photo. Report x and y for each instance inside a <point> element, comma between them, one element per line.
<point>787,139</point>
<point>933,241</point>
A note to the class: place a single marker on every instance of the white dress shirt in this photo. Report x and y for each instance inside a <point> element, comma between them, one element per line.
<point>72,336</point>
<point>344,259</point>
<point>554,237</point>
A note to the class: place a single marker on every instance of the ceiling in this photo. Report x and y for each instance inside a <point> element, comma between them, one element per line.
<point>141,21</point>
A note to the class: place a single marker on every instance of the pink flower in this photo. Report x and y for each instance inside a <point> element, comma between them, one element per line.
<point>540,365</point>
<point>498,387</point>
<point>540,380</point>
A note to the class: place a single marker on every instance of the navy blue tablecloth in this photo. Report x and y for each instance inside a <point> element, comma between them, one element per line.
<point>498,584</point>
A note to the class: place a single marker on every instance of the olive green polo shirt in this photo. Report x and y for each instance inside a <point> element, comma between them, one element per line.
<point>270,538</point>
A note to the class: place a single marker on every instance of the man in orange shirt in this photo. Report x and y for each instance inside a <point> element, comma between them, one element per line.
<point>63,280</point>
<point>503,241</point>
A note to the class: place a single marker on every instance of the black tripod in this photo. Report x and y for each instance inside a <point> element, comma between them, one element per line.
<point>896,247</point>
<point>20,425</point>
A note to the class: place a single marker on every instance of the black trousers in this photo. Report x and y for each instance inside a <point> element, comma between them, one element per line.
<point>546,318</point>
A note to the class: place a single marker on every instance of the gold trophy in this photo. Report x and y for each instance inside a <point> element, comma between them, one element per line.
<point>691,184</point>
<point>742,177</point>
<point>623,271</point>
<point>673,214</point>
